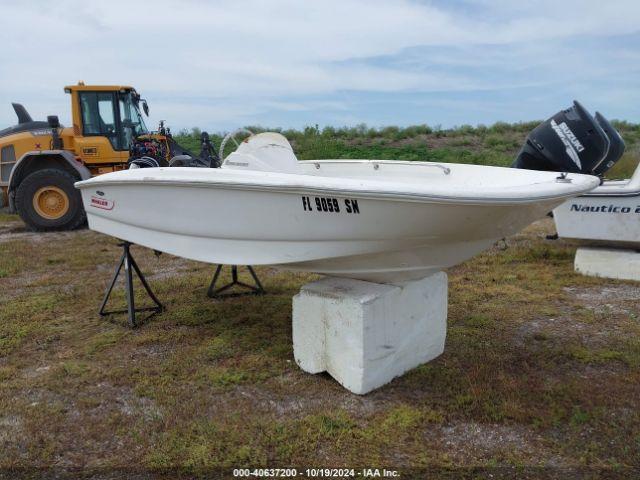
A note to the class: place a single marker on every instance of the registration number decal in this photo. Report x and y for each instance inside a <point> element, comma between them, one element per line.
<point>330,205</point>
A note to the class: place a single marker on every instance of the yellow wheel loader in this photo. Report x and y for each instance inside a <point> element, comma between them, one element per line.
<point>40,161</point>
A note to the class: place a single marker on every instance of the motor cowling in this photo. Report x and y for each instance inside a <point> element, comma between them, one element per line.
<point>572,141</point>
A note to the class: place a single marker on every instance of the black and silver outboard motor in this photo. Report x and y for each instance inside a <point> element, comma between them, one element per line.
<point>572,141</point>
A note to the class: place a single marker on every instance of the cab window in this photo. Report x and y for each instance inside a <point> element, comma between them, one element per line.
<point>130,118</point>
<point>99,116</point>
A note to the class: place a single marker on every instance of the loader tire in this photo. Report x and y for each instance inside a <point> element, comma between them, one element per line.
<point>46,200</point>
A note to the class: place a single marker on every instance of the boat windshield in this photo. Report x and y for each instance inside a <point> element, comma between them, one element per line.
<point>131,117</point>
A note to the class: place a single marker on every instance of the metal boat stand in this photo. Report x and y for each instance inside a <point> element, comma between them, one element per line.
<point>214,292</point>
<point>130,266</point>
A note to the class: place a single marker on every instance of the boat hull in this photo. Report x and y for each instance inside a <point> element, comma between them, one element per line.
<point>386,240</point>
<point>609,219</point>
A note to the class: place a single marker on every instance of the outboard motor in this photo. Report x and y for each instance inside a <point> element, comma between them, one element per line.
<point>572,141</point>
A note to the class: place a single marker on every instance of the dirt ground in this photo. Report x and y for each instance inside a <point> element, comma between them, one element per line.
<point>540,377</point>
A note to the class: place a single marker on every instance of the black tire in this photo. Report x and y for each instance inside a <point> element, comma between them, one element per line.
<point>74,216</point>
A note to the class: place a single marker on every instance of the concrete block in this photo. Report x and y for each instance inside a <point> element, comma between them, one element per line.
<point>365,334</point>
<point>608,262</point>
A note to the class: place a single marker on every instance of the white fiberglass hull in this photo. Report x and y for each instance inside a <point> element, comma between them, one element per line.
<point>609,214</point>
<point>378,221</point>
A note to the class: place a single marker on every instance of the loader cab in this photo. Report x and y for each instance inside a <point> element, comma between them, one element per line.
<point>106,119</point>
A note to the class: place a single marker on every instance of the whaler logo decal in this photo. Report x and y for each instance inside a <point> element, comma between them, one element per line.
<point>571,144</point>
<point>102,203</point>
<point>576,207</point>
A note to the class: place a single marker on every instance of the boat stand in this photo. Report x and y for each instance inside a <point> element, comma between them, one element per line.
<point>214,292</point>
<point>130,266</point>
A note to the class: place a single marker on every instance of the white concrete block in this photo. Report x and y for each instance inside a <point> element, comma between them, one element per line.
<point>365,334</point>
<point>608,262</point>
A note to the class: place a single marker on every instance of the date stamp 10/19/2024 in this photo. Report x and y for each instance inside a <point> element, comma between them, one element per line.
<point>315,473</point>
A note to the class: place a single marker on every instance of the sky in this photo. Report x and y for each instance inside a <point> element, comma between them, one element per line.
<point>222,64</point>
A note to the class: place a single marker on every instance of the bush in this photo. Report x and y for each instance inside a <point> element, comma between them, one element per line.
<point>500,127</point>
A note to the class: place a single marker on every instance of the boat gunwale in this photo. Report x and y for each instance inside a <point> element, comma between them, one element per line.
<point>635,193</point>
<point>327,191</point>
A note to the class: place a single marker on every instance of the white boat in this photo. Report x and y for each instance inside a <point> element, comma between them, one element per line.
<point>610,214</point>
<point>375,220</point>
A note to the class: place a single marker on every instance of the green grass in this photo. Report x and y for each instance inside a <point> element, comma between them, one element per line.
<point>529,371</point>
<point>11,263</point>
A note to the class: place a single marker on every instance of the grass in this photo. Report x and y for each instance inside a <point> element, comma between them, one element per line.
<point>539,376</point>
<point>530,370</point>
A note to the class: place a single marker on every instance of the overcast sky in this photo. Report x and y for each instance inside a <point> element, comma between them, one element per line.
<point>227,63</point>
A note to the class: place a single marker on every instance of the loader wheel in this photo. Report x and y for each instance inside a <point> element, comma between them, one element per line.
<point>47,200</point>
